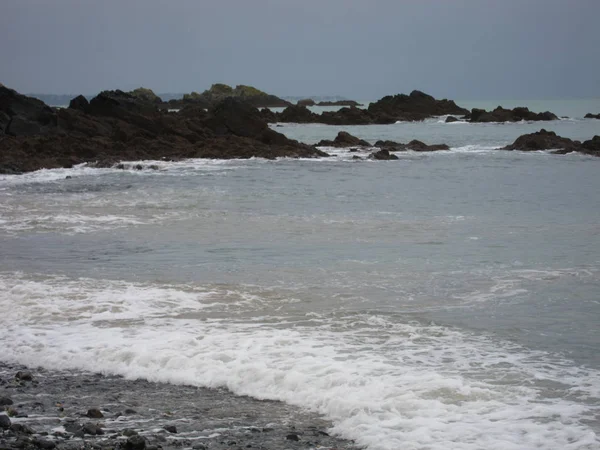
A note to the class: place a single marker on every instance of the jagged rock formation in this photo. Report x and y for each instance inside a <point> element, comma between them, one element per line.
<point>508,115</point>
<point>117,126</point>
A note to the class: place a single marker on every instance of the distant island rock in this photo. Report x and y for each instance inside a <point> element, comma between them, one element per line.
<point>306,102</point>
<point>592,116</point>
<point>346,140</point>
<point>501,114</point>
<point>339,103</point>
<point>116,126</point>
<point>549,140</point>
<point>218,92</point>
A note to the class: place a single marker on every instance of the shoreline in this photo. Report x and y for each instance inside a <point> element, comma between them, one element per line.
<point>70,410</point>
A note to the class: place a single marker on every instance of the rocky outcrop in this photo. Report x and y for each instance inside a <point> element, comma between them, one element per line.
<point>416,106</point>
<point>340,103</point>
<point>592,116</point>
<point>306,102</point>
<point>413,145</point>
<point>451,119</point>
<point>146,95</point>
<point>508,115</point>
<point>117,126</point>
<point>382,155</point>
<point>548,140</point>
<point>344,139</point>
<point>219,92</point>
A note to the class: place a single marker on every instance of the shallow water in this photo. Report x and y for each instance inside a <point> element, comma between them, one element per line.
<point>444,300</point>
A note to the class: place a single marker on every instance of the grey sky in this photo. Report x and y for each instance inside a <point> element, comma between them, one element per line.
<point>360,49</point>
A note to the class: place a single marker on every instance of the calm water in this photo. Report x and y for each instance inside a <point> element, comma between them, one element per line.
<point>445,300</point>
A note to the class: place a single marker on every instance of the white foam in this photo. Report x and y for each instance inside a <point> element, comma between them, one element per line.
<point>387,384</point>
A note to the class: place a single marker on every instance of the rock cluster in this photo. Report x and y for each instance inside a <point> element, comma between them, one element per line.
<point>116,126</point>
<point>414,107</point>
<point>219,92</point>
<point>592,116</point>
<point>501,114</point>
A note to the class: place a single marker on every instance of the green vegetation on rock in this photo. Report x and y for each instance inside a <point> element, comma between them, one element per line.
<point>146,94</point>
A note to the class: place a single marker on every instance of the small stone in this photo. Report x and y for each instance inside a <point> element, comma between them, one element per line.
<point>129,432</point>
<point>68,177</point>
<point>4,422</point>
<point>199,446</point>
<point>92,428</point>
<point>94,413</point>
<point>171,428</point>
<point>5,401</point>
<point>72,427</point>
<point>130,411</point>
<point>135,443</point>
<point>292,437</point>
<point>24,375</point>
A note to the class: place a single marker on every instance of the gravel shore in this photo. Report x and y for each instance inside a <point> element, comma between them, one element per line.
<point>44,409</point>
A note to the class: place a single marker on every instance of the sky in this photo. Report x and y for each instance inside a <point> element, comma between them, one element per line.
<point>461,49</point>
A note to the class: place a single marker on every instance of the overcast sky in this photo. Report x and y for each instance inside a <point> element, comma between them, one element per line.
<point>462,49</point>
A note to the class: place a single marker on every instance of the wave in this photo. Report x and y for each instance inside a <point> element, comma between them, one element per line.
<point>385,382</point>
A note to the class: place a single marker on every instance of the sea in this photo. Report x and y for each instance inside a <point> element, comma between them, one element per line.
<point>445,300</point>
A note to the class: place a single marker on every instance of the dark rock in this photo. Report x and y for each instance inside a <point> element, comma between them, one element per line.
<point>27,116</point>
<point>297,114</point>
<point>508,115</point>
<point>292,437</point>
<point>356,157</point>
<point>129,432</point>
<point>44,444</point>
<point>419,146</point>
<point>4,422</point>
<point>80,103</point>
<point>72,427</point>
<point>382,155</point>
<point>414,145</point>
<point>135,443</point>
<point>92,429</point>
<point>306,102</point>
<point>451,119</point>
<point>199,446</point>
<point>130,411</point>
<point>543,140</point>
<point>21,428</point>
<point>344,139</point>
<point>591,147</point>
<point>171,428</point>
<point>24,375</point>
<point>416,106</point>
<point>592,116</point>
<point>5,401</point>
<point>351,116</point>
<point>94,413</point>
<point>340,103</point>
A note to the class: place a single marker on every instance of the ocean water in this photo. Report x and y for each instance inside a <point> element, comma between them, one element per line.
<point>443,300</point>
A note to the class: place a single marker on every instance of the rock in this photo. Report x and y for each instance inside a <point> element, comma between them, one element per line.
<point>219,92</point>
<point>135,443</point>
<point>94,413</point>
<point>27,116</point>
<point>24,375</point>
<point>292,437</point>
<point>344,139</point>
<point>130,411</point>
<point>451,119</point>
<point>21,428</point>
<point>171,428</point>
<point>591,147</point>
<point>592,116</point>
<point>4,422</point>
<point>146,95</point>
<point>297,114</point>
<point>352,116</point>
<point>306,102</point>
<point>382,155</point>
<point>419,146</point>
<point>199,446</point>
<point>414,145</point>
<point>129,432</point>
<point>508,115</point>
<point>92,429</point>
<point>416,106</point>
<point>79,103</point>
<point>356,157</point>
<point>340,103</point>
<point>44,444</point>
<point>5,401</point>
<point>543,140</point>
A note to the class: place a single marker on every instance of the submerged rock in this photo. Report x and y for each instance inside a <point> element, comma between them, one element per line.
<point>382,155</point>
<point>414,145</point>
<point>451,119</point>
